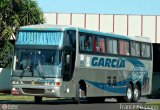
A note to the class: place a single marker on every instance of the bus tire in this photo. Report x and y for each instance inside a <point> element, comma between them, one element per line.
<point>80,92</point>
<point>129,94</point>
<point>128,97</point>
<point>136,93</point>
<point>38,99</point>
<point>77,98</point>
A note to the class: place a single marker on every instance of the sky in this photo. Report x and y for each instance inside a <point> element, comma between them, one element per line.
<point>138,7</point>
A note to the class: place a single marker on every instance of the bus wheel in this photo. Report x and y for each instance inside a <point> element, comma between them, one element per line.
<point>79,94</point>
<point>136,94</point>
<point>129,93</point>
<point>38,99</point>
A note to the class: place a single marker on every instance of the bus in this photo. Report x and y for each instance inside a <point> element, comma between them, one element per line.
<point>59,61</point>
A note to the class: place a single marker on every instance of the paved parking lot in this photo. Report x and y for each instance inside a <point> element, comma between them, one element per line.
<point>65,104</point>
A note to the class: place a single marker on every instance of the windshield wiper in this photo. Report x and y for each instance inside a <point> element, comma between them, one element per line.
<point>41,74</point>
<point>40,70</point>
<point>24,70</point>
<point>22,73</point>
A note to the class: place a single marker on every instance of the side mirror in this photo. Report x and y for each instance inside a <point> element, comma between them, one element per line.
<point>68,59</point>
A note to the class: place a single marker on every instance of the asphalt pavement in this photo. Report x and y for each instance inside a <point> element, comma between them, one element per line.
<point>66,104</point>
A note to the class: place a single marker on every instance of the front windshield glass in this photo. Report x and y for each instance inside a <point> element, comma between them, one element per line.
<point>37,63</point>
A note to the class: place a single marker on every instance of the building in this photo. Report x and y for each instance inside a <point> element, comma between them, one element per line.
<point>131,25</point>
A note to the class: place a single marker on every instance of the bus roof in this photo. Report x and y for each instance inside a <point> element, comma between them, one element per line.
<point>47,27</point>
<point>43,27</point>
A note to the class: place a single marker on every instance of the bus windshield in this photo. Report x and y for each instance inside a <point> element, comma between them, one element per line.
<point>38,63</point>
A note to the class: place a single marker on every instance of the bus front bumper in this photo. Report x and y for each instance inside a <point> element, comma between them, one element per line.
<point>44,91</point>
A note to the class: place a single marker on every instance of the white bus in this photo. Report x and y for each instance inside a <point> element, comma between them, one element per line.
<point>69,62</point>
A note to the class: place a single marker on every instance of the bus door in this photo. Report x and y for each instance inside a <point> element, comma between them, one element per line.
<point>67,65</point>
<point>69,55</point>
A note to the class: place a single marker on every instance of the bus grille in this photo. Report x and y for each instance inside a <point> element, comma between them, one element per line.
<point>33,91</point>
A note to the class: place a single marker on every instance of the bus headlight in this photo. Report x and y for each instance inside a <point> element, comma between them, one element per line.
<point>51,90</point>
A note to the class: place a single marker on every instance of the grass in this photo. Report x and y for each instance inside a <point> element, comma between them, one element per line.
<point>11,97</point>
<point>153,103</point>
<point>26,98</point>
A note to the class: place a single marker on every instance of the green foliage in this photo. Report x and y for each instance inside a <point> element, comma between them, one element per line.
<point>6,55</point>
<point>7,33</point>
<point>13,14</point>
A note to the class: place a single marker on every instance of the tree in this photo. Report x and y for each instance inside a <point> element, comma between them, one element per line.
<point>13,14</point>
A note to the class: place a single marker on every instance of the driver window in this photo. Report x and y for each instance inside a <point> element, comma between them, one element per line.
<point>71,39</point>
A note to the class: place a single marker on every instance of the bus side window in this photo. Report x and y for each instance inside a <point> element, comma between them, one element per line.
<point>98,44</point>
<point>112,46</point>
<point>124,47</point>
<point>135,49</point>
<point>145,50</point>
<point>148,51</point>
<point>81,42</point>
<point>85,42</point>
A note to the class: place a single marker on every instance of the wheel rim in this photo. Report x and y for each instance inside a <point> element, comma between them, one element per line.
<point>80,92</point>
<point>129,93</point>
<point>136,93</point>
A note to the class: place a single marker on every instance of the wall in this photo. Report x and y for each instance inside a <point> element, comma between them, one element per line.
<point>5,80</point>
<point>131,25</point>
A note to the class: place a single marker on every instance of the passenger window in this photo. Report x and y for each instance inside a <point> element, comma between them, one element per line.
<point>99,45</point>
<point>135,49</point>
<point>85,42</point>
<point>146,50</point>
<point>124,47</point>
<point>112,46</point>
